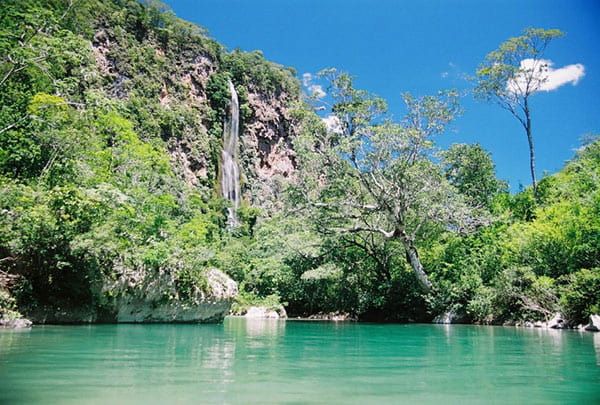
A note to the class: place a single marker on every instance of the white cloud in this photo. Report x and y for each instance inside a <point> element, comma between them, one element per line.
<point>444,75</point>
<point>316,91</point>
<point>306,79</point>
<point>545,77</point>
<point>333,124</point>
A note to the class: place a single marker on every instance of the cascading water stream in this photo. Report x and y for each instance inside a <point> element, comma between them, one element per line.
<point>230,179</point>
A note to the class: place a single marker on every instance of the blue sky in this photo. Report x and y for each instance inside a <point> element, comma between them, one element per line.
<point>425,46</point>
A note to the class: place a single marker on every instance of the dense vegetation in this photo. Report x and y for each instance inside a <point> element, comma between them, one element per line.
<point>379,223</point>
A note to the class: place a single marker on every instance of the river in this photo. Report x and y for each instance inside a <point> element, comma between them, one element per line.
<point>268,361</point>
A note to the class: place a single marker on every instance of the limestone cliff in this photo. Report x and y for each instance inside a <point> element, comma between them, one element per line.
<point>182,79</point>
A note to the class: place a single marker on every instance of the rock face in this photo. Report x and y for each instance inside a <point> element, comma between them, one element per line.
<point>266,156</point>
<point>200,307</point>
<point>266,143</point>
<point>266,313</point>
<point>557,322</point>
<point>594,325</point>
<point>448,317</point>
<point>19,323</point>
<point>143,298</point>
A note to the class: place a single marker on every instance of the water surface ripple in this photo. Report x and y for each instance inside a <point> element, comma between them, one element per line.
<point>269,361</point>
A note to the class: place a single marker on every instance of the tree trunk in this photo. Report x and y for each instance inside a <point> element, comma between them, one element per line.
<point>531,151</point>
<point>413,258</point>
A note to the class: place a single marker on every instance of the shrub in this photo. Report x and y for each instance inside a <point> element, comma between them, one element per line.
<point>580,295</point>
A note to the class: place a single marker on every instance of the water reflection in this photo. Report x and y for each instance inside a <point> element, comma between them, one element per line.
<point>597,346</point>
<point>264,327</point>
<point>11,339</point>
<point>269,361</point>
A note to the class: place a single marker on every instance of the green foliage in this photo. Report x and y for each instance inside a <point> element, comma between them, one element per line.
<point>511,74</point>
<point>580,295</point>
<point>245,300</point>
<point>252,69</point>
<point>189,282</point>
<point>219,94</point>
<point>8,306</point>
<point>471,170</point>
<point>519,294</point>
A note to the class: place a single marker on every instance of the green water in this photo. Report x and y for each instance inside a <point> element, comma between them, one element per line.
<point>266,361</point>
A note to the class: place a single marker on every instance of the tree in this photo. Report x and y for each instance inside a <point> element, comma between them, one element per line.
<point>369,175</point>
<point>471,170</point>
<point>511,74</point>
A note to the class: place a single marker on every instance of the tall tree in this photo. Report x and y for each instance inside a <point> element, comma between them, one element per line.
<point>366,174</point>
<point>471,170</point>
<point>511,74</point>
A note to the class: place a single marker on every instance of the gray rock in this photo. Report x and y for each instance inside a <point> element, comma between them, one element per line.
<point>557,322</point>
<point>594,325</point>
<point>449,317</point>
<point>211,306</point>
<point>139,297</point>
<point>538,324</point>
<point>18,323</point>
<point>264,312</point>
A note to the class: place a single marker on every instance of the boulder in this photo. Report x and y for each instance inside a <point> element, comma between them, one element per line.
<point>264,312</point>
<point>18,323</point>
<point>557,322</point>
<point>138,296</point>
<point>202,306</point>
<point>449,317</point>
<point>594,325</point>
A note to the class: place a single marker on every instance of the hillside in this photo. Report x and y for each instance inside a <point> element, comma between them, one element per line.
<point>112,121</point>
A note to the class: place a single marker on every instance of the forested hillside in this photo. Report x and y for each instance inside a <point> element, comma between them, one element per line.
<point>111,126</point>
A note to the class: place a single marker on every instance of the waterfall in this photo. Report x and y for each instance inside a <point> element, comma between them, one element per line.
<point>230,179</point>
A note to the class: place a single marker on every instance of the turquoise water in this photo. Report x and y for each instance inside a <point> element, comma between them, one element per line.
<point>263,361</point>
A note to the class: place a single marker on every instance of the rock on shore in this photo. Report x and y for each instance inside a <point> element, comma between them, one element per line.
<point>264,312</point>
<point>594,325</point>
<point>211,306</point>
<point>18,323</point>
<point>152,298</point>
<point>449,317</point>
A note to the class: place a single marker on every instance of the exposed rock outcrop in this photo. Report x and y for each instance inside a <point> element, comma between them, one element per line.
<point>144,298</point>
<point>449,317</point>
<point>557,322</point>
<point>264,312</point>
<point>267,154</point>
<point>149,303</point>
<point>18,323</point>
<point>267,158</point>
<point>594,324</point>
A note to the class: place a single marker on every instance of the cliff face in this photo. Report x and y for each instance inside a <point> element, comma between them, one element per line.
<point>267,154</point>
<point>182,78</point>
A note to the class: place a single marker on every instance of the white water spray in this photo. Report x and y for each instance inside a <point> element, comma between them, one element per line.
<point>230,179</point>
